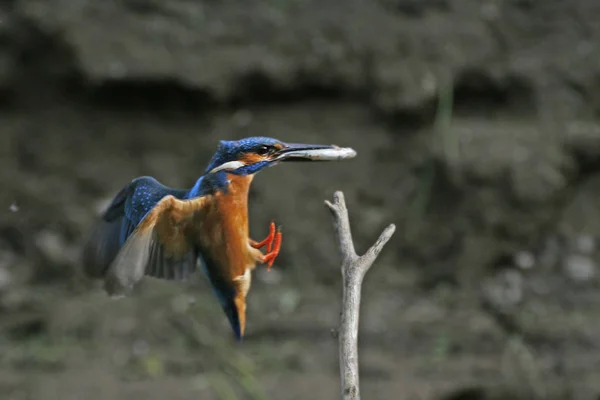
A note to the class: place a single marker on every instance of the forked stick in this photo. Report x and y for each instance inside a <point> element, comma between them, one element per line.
<point>354,268</point>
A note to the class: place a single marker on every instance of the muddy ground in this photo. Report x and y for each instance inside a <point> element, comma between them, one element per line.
<point>476,124</point>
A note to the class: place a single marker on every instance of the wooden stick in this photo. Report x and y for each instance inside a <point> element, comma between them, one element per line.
<point>354,268</point>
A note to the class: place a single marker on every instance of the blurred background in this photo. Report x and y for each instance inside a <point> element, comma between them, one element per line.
<point>476,127</point>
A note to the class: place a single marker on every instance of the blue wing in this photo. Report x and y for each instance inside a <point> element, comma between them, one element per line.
<point>137,236</point>
<point>118,222</point>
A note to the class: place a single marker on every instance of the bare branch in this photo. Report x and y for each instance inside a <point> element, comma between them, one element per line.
<point>342,227</point>
<point>354,269</point>
<point>371,255</point>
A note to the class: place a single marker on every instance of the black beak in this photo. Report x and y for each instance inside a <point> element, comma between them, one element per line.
<point>312,152</point>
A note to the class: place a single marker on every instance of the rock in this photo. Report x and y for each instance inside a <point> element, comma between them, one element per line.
<point>524,260</point>
<point>585,244</point>
<point>505,289</point>
<point>55,249</point>
<point>14,207</point>
<point>579,268</point>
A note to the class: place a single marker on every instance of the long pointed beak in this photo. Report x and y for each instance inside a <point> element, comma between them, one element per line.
<point>313,152</point>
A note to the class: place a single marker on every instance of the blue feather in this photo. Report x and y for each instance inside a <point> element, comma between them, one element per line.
<point>230,150</point>
<point>119,220</point>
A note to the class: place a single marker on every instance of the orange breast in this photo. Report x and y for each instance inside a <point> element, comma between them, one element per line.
<point>223,235</point>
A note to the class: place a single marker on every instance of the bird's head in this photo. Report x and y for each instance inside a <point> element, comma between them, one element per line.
<point>250,155</point>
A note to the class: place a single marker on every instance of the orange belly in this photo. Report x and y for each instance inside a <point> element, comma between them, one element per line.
<point>223,235</point>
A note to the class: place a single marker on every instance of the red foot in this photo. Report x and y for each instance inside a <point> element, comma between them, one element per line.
<point>268,241</point>
<point>269,258</point>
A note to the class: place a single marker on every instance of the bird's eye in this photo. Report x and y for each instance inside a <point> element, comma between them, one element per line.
<point>262,150</point>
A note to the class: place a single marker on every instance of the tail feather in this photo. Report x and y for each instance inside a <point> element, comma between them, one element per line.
<point>234,320</point>
<point>226,293</point>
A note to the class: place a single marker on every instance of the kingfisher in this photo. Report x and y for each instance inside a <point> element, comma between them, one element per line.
<point>149,229</point>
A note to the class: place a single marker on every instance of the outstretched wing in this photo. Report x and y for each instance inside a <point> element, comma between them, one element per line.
<point>119,220</point>
<point>162,245</point>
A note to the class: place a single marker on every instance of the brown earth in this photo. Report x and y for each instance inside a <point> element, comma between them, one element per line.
<point>476,125</point>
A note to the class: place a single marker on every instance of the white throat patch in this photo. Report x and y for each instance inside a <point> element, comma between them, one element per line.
<point>228,166</point>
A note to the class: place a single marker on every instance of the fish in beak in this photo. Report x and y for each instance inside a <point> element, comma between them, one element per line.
<point>313,152</point>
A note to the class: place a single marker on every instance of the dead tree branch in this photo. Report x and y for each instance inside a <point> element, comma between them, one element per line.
<point>354,268</point>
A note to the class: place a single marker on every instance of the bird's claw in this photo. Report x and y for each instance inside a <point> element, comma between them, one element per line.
<point>268,241</point>
<point>269,258</point>
<point>273,243</point>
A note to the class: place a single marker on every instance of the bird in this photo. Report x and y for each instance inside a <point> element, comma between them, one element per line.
<point>149,229</point>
